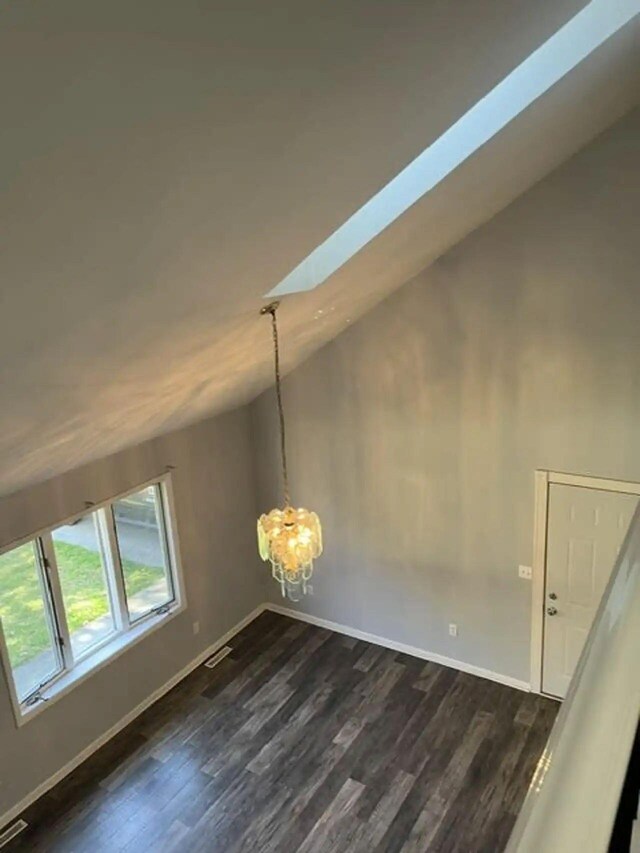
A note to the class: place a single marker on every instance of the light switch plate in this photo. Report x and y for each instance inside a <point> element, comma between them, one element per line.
<point>524,572</point>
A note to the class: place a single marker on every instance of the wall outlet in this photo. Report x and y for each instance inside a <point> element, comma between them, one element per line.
<point>453,629</point>
<point>524,572</point>
<point>196,627</point>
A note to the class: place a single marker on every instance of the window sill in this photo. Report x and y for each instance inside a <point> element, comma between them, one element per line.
<point>102,657</point>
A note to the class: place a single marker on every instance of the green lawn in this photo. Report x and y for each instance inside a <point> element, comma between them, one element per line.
<point>83,588</point>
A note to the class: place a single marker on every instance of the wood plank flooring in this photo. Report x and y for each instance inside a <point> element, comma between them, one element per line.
<point>305,741</point>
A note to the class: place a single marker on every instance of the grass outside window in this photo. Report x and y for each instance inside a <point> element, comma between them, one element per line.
<point>20,606</point>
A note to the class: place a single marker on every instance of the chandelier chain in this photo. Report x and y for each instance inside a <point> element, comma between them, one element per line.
<point>290,539</point>
<point>283,446</point>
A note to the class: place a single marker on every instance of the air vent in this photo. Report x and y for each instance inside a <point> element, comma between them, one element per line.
<point>12,831</point>
<point>214,660</point>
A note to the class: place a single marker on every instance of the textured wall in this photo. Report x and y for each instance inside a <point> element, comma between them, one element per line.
<point>416,433</point>
<point>214,502</point>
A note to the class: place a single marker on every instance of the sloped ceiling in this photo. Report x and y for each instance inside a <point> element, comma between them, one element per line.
<point>164,165</point>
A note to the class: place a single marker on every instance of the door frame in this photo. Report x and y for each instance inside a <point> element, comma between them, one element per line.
<point>543,480</point>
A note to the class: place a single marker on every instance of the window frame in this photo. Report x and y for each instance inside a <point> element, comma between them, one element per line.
<point>51,617</point>
<point>160,515</point>
<point>76,668</point>
<point>49,548</point>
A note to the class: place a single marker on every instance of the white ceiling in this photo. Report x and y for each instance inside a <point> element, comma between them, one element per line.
<point>165,164</point>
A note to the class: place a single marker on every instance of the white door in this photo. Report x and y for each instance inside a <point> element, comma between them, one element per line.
<point>585,529</point>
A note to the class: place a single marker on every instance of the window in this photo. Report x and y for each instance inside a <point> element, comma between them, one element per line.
<point>142,543</point>
<point>27,619</point>
<point>79,558</point>
<point>76,594</point>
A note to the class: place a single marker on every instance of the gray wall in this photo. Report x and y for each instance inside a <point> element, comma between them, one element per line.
<point>416,433</point>
<point>214,502</point>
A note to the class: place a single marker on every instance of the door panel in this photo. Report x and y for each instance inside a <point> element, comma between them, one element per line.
<point>585,530</point>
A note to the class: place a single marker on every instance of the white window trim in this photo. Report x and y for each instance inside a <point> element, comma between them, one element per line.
<point>115,645</point>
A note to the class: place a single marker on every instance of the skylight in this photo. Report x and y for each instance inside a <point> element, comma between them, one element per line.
<point>548,64</point>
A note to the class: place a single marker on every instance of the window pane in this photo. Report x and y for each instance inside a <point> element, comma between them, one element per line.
<point>84,585</point>
<point>26,622</point>
<point>140,534</point>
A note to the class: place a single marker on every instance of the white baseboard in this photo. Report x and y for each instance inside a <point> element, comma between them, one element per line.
<point>70,766</point>
<point>401,647</point>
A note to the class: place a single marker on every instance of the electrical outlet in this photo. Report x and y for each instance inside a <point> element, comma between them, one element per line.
<point>196,627</point>
<point>453,629</point>
<point>524,572</point>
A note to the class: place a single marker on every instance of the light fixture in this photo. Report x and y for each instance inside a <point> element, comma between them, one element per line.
<point>289,538</point>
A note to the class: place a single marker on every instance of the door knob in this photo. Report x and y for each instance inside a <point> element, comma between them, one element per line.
<point>551,611</point>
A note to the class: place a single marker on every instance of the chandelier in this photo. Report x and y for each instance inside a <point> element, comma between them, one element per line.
<point>289,538</point>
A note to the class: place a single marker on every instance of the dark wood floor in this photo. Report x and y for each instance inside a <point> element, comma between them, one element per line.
<point>305,741</point>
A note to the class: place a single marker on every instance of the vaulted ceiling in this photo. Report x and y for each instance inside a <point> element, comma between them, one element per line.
<point>165,164</point>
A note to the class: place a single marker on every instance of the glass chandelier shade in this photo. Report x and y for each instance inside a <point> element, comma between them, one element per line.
<point>290,539</point>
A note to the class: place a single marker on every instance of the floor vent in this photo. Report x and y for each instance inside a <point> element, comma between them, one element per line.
<point>12,831</point>
<point>214,660</point>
